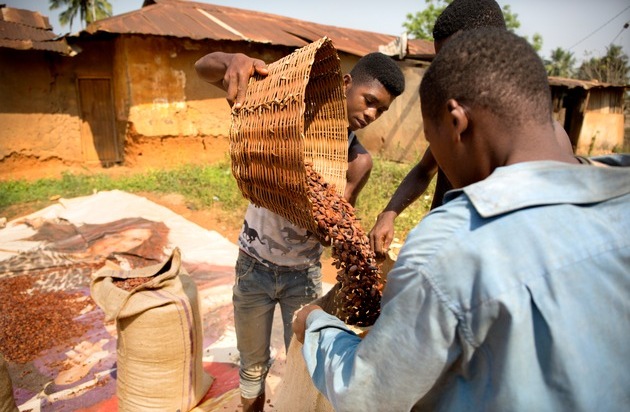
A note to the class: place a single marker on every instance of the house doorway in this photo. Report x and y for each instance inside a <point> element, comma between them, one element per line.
<point>98,124</point>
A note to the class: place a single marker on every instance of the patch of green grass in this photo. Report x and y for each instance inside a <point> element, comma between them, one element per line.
<point>384,180</point>
<point>202,186</point>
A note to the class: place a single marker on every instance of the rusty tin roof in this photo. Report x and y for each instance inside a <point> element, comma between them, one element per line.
<point>29,30</point>
<point>584,84</point>
<point>201,21</point>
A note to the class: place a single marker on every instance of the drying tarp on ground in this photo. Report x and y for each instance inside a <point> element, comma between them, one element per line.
<point>60,350</point>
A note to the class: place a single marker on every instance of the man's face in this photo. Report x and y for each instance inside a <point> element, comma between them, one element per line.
<point>366,102</point>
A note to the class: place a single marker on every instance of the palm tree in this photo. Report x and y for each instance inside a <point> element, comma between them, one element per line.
<point>612,68</point>
<point>561,63</point>
<point>89,10</point>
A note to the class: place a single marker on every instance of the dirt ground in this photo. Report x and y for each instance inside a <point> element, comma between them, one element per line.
<point>140,155</point>
<point>147,155</point>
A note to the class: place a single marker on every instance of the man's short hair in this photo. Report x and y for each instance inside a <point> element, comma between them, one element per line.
<point>492,69</point>
<point>382,68</point>
<point>468,15</point>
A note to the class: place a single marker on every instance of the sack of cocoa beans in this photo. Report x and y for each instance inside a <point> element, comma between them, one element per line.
<point>160,338</point>
<point>296,391</point>
<point>7,402</point>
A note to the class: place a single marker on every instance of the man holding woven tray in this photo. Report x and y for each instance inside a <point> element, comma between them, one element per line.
<point>278,261</point>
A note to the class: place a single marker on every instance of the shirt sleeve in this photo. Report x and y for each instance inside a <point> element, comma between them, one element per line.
<point>399,360</point>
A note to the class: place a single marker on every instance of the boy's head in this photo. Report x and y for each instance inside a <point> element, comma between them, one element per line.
<point>480,78</point>
<point>371,86</point>
<point>463,15</point>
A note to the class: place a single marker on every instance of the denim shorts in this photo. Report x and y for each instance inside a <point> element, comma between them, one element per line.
<point>257,289</point>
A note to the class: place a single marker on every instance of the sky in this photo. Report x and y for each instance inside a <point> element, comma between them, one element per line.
<point>584,27</point>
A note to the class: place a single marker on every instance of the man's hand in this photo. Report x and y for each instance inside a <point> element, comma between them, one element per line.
<point>237,76</point>
<point>231,72</point>
<point>382,233</point>
<point>299,321</point>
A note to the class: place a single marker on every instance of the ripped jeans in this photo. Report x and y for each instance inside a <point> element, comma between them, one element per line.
<point>257,289</point>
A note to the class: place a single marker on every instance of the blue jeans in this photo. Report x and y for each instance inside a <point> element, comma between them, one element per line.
<point>257,289</point>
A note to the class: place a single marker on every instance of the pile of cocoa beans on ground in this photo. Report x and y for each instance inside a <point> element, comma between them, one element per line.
<point>32,321</point>
<point>359,298</point>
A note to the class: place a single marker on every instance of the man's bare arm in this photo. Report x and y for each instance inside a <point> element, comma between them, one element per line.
<point>409,190</point>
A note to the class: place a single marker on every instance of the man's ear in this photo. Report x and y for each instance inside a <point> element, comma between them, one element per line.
<point>459,116</point>
<point>347,82</point>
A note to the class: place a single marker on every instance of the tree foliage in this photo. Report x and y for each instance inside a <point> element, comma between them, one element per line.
<point>561,63</point>
<point>419,25</point>
<point>612,68</point>
<point>88,10</point>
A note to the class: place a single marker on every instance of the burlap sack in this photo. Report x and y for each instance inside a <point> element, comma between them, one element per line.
<point>160,337</point>
<point>296,390</point>
<point>7,402</point>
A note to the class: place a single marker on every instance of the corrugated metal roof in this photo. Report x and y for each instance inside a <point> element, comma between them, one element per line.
<point>584,84</point>
<point>29,30</point>
<point>200,21</point>
<point>24,17</point>
<point>54,46</point>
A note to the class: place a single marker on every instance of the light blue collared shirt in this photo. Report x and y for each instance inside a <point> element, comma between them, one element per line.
<point>513,296</point>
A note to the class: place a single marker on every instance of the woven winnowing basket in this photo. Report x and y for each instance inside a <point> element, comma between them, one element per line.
<point>294,115</point>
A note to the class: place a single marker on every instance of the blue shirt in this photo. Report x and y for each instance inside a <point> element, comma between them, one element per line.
<point>513,296</point>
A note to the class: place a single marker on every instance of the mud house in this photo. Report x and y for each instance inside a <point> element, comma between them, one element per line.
<point>37,104</point>
<point>127,84</point>
<point>129,80</point>
<point>591,112</point>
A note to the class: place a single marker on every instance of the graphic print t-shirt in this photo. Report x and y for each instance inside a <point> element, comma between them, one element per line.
<point>270,238</point>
